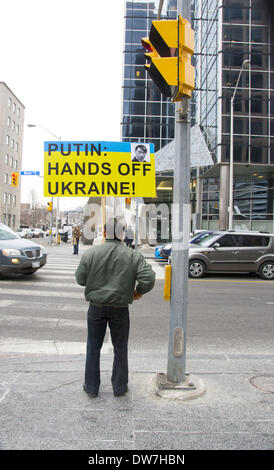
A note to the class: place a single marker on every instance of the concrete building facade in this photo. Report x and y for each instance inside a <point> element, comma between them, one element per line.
<point>11,143</point>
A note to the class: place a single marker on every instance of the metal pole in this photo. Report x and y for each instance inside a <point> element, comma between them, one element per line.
<point>137,224</point>
<point>245,65</point>
<point>230,211</point>
<point>50,223</point>
<point>57,204</point>
<point>180,234</point>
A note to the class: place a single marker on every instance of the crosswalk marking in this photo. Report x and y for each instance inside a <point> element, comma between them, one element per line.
<point>45,283</point>
<point>39,295</point>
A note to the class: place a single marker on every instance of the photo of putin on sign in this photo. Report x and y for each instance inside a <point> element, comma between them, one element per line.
<point>140,153</point>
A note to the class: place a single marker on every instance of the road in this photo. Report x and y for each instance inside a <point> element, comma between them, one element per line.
<point>46,313</point>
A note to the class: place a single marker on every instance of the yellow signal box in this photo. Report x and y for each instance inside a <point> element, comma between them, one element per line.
<point>171,47</point>
<point>49,206</point>
<point>15,178</point>
<point>167,286</point>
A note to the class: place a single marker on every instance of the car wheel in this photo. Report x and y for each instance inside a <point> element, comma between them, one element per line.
<point>196,269</point>
<point>267,271</point>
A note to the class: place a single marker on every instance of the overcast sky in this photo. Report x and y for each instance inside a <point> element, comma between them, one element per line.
<point>63,60</point>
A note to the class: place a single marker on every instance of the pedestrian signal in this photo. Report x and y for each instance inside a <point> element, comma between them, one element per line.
<point>128,202</point>
<point>49,206</point>
<point>171,45</point>
<point>14,178</point>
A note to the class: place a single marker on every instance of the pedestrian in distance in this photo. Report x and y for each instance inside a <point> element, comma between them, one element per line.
<point>129,236</point>
<point>114,276</point>
<point>76,235</point>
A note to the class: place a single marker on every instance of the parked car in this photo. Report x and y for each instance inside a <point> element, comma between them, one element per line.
<point>24,232</point>
<point>157,252</point>
<point>233,251</point>
<point>165,250</point>
<point>18,255</point>
<point>37,233</point>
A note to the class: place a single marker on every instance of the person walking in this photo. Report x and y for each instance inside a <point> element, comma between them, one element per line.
<point>109,273</point>
<point>129,236</point>
<point>76,234</point>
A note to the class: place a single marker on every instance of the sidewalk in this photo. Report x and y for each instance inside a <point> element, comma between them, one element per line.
<point>43,405</point>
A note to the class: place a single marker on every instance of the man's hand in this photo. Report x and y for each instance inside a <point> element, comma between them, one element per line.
<point>136,295</point>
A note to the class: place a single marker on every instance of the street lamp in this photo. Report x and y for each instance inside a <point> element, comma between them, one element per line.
<point>245,65</point>
<point>57,204</point>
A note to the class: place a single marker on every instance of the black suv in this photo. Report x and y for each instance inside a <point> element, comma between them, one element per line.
<point>233,251</point>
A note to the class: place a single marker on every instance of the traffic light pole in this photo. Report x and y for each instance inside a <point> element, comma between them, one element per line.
<point>176,383</point>
<point>180,234</point>
<point>180,242</point>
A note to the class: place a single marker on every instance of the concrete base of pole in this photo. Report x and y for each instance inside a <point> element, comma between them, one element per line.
<point>191,388</point>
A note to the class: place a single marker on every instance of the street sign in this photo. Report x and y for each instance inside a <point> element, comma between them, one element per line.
<point>33,173</point>
<point>78,169</point>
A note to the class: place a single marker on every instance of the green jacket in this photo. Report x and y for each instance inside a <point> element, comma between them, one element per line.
<point>110,271</point>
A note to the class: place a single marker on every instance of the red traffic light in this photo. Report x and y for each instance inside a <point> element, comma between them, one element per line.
<point>146,44</point>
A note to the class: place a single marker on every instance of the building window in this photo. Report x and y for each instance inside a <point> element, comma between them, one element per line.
<point>7,159</point>
<point>15,164</point>
<point>5,198</point>
<point>17,129</point>
<point>18,111</point>
<point>11,161</point>
<point>6,178</point>
<point>14,107</point>
<point>7,139</point>
<point>17,146</point>
<point>14,200</point>
<point>9,121</point>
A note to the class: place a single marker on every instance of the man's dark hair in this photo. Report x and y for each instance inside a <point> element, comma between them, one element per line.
<point>114,230</point>
<point>142,147</point>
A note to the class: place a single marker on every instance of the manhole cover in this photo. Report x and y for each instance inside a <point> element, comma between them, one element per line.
<point>265,383</point>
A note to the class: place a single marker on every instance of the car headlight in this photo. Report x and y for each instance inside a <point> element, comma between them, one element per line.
<point>11,252</point>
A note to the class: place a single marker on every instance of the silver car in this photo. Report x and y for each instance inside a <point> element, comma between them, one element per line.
<point>18,255</point>
<point>233,251</point>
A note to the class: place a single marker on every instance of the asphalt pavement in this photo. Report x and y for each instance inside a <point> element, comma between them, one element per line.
<point>43,405</point>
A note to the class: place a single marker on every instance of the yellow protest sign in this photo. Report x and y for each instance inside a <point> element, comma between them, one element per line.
<point>81,169</point>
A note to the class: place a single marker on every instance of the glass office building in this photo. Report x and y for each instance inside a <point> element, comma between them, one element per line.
<point>227,33</point>
<point>147,115</point>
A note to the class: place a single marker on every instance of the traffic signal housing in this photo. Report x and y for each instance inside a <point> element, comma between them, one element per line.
<point>171,45</point>
<point>15,178</point>
<point>49,206</point>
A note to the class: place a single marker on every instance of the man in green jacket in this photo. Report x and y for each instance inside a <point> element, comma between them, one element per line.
<point>109,273</point>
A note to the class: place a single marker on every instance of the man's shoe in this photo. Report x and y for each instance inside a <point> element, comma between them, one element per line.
<point>91,395</point>
<point>121,394</point>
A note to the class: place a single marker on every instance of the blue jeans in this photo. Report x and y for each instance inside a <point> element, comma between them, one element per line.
<point>76,247</point>
<point>118,321</point>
